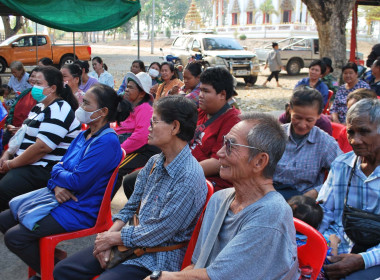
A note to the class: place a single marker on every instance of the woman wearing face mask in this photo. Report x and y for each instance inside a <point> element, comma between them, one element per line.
<point>72,77</point>
<point>78,183</point>
<point>133,132</point>
<point>20,110</point>
<point>50,128</point>
<point>154,73</point>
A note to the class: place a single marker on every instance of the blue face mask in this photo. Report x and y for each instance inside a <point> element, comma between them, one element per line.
<point>37,93</point>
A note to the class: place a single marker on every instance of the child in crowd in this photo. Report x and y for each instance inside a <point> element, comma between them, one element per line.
<point>137,67</point>
<point>308,210</point>
<point>7,96</point>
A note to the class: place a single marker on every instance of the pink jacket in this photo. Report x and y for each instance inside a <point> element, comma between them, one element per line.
<point>138,124</point>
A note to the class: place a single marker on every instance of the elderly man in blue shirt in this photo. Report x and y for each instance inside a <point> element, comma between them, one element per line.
<point>354,180</point>
<point>309,150</point>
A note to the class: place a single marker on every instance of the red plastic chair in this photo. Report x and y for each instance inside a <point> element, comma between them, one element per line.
<point>336,129</point>
<point>313,253</point>
<point>194,237</point>
<point>326,110</point>
<point>103,223</point>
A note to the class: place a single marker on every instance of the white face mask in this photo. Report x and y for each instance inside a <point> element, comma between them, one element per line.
<point>154,73</point>
<point>84,116</point>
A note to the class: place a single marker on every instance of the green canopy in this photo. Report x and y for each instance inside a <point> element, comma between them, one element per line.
<point>76,15</point>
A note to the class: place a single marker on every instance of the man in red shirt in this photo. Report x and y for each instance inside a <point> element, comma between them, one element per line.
<point>215,119</point>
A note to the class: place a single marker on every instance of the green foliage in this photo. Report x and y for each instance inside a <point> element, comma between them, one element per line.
<point>242,37</point>
<point>168,33</point>
<point>268,8</point>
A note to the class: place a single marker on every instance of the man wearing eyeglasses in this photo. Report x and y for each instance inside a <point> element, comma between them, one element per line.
<point>248,230</point>
<point>353,189</point>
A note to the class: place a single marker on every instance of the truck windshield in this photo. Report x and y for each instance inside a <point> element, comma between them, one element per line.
<point>9,40</point>
<point>211,44</point>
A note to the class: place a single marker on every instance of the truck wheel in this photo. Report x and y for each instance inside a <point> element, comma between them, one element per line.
<point>3,65</point>
<point>293,67</point>
<point>68,59</point>
<point>250,80</point>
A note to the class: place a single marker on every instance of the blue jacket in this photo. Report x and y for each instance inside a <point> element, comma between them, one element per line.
<point>321,87</point>
<point>86,176</point>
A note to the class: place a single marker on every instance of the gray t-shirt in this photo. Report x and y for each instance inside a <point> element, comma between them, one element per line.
<point>256,243</point>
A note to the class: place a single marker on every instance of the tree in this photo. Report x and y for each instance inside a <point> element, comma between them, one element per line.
<point>331,16</point>
<point>267,8</point>
<point>8,29</point>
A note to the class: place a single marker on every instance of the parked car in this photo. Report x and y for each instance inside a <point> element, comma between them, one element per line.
<point>297,53</point>
<point>218,51</point>
<point>23,48</point>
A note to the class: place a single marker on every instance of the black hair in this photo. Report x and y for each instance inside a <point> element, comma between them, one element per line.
<point>54,77</point>
<point>375,52</point>
<point>220,79</point>
<point>83,64</point>
<point>141,64</point>
<point>75,71</point>
<point>320,63</point>
<point>274,44</point>
<point>3,88</point>
<point>306,209</point>
<point>99,60</point>
<point>179,108</point>
<point>306,96</point>
<point>157,63</point>
<point>118,108</point>
<point>46,61</point>
<point>350,65</point>
<point>172,69</point>
<point>195,68</point>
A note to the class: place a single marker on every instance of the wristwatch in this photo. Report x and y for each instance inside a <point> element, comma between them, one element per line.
<point>155,275</point>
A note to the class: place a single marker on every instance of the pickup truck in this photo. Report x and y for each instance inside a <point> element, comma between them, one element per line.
<point>218,51</point>
<point>297,53</point>
<point>23,48</point>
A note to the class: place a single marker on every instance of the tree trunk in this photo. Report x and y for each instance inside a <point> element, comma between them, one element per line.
<point>84,37</point>
<point>104,36</point>
<point>331,17</point>
<point>9,31</point>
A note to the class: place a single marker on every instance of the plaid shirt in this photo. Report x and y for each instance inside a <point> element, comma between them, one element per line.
<point>194,94</point>
<point>172,198</point>
<point>304,165</point>
<point>364,194</point>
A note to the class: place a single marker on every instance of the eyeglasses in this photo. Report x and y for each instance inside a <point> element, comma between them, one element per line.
<point>228,143</point>
<point>152,121</point>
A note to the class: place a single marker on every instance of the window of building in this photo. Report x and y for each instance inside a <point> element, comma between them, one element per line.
<point>287,16</point>
<point>234,18</point>
<point>249,17</point>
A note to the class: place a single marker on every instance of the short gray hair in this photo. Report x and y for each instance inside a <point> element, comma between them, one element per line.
<point>268,136</point>
<point>365,107</point>
<point>17,65</point>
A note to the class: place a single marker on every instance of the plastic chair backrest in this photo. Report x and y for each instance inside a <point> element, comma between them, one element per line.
<point>313,253</point>
<point>326,110</point>
<point>103,223</point>
<point>336,129</point>
<point>194,237</point>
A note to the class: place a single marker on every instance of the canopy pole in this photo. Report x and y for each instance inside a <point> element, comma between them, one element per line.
<point>36,46</point>
<point>353,33</point>
<point>152,36</point>
<point>138,35</point>
<point>74,44</point>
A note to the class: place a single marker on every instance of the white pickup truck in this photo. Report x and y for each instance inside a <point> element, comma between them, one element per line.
<point>297,53</point>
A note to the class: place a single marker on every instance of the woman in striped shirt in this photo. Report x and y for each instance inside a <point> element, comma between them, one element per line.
<point>51,126</point>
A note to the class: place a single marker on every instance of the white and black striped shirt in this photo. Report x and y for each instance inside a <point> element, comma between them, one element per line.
<point>54,125</point>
